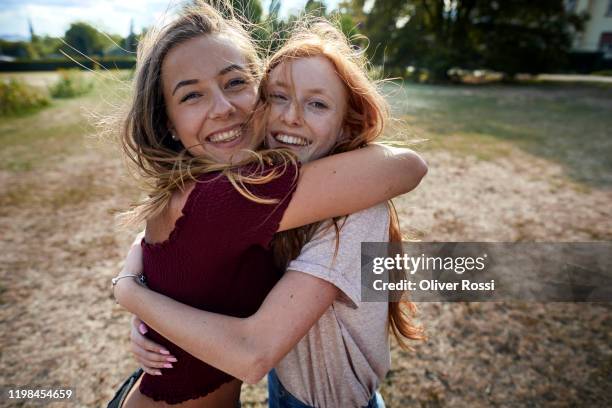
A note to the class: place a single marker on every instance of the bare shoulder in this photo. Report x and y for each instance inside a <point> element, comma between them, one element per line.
<point>160,227</point>
<point>179,198</point>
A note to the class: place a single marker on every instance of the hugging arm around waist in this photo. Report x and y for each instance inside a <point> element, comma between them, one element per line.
<point>246,348</point>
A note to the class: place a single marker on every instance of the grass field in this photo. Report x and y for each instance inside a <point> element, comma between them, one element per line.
<point>569,125</point>
<point>521,163</point>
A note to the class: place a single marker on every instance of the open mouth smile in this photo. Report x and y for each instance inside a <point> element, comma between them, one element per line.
<point>225,136</point>
<point>290,139</point>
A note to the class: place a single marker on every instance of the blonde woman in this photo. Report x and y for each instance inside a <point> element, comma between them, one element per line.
<point>328,348</point>
<point>214,205</point>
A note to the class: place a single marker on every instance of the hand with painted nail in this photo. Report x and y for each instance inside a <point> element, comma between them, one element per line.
<point>151,356</point>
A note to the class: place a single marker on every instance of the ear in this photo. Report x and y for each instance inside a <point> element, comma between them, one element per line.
<point>170,126</point>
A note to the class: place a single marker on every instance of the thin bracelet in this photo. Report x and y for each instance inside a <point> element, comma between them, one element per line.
<point>118,278</point>
<point>139,278</point>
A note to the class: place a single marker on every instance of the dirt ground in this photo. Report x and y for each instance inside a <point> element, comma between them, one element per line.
<point>60,248</point>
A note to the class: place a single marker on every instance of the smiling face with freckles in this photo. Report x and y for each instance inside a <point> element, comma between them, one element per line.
<point>209,95</point>
<point>308,103</point>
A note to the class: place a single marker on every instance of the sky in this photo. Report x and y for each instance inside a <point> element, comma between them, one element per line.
<point>53,17</point>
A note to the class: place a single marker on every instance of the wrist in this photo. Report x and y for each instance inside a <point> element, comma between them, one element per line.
<point>123,288</point>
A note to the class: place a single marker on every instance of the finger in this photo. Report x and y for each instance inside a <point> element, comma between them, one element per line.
<point>139,325</point>
<point>150,356</point>
<point>151,371</point>
<point>153,364</point>
<point>147,344</point>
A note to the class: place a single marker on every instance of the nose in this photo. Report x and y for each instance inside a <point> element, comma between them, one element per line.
<point>221,107</point>
<point>291,114</point>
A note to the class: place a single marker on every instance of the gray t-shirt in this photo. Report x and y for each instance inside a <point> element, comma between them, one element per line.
<point>344,356</point>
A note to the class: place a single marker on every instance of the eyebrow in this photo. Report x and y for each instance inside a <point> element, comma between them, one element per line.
<point>184,83</point>
<point>230,68</point>
<point>310,91</point>
<point>233,67</point>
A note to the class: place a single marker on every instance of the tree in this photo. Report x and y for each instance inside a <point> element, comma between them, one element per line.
<point>86,39</point>
<point>251,10</point>
<point>47,46</point>
<point>350,18</point>
<point>315,8</point>
<point>525,36</point>
<point>130,43</point>
<point>18,49</point>
<point>510,36</point>
<point>275,30</point>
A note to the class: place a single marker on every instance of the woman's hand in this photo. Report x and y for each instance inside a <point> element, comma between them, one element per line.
<point>151,356</point>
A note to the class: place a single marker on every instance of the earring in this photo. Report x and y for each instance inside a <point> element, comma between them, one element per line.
<point>173,135</point>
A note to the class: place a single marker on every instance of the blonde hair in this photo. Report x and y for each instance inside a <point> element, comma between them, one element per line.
<point>365,119</point>
<point>161,162</point>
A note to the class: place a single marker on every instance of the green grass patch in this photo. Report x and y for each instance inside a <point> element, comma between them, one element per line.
<point>19,98</point>
<point>30,142</point>
<point>72,83</point>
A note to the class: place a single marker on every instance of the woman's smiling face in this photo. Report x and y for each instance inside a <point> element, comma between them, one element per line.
<point>209,94</point>
<point>308,103</point>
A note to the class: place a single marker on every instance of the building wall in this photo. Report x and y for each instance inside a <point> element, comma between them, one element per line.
<point>597,24</point>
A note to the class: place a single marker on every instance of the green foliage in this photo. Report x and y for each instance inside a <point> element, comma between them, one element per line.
<point>432,36</point>
<point>315,8</point>
<point>512,36</point>
<point>17,97</point>
<point>46,46</point>
<point>130,43</point>
<point>18,49</point>
<point>72,83</point>
<point>251,10</point>
<point>86,39</point>
<point>607,72</point>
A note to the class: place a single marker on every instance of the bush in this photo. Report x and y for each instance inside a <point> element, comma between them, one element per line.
<point>71,83</point>
<point>607,72</point>
<point>17,97</point>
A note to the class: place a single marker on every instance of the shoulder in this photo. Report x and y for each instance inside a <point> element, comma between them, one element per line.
<point>179,198</point>
<point>376,214</point>
<point>371,224</point>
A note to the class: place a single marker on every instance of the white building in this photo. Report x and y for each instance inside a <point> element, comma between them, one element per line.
<point>597,34</point>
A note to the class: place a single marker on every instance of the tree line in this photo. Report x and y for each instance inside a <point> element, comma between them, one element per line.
<point>401,36</point>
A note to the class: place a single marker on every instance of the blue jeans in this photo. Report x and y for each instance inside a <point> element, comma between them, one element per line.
<point>279,397</point>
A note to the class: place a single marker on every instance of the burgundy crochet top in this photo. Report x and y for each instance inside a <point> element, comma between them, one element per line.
<point>216,259</point>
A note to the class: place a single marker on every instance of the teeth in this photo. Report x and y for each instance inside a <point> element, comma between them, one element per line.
<point>225,136</point>
<point>292,140</point>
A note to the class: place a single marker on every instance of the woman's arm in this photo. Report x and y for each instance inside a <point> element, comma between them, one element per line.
<point>353,181</point>
<point>246,348</point>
